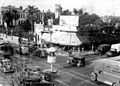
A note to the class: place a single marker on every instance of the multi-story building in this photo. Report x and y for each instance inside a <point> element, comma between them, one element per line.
<point>22,13</point>
<point>23,16</point>
<point>58,10</point>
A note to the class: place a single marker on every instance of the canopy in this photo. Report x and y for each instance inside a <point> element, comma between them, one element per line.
<point>69,39</point>
<point>63,38</point>
<point>54,37</point>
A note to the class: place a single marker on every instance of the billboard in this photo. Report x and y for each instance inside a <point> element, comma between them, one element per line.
<point>69,20</point>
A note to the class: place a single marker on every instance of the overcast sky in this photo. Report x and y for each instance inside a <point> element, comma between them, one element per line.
<point>100,7</point>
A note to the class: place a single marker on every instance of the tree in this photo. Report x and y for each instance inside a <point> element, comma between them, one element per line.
<point>10,15</point>
<point>48,15</point>
<point>66,12</point>
<point>88,19</point>
<point>75,11</point>
<point>16,15</point>
<point>80,12</point>
<point>31,15</point>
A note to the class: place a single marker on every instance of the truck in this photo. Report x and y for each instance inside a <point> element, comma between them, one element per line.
<point>6,66</point>
<point>114,51</point>
<point>107,71</point>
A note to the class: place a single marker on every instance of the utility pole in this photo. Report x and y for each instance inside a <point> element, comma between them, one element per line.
<point>20,40</point>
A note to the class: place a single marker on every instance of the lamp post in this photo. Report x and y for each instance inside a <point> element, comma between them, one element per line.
<point>51,38</point>
<point>20,40</point>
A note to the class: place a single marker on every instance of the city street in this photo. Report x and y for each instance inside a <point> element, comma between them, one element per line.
<point>69,75</point>
<point>59,43</point>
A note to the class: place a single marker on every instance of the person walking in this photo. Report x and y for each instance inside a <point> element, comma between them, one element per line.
<point>70,52</point>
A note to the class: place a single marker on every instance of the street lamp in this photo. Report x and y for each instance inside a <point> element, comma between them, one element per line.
<point>20,40</point>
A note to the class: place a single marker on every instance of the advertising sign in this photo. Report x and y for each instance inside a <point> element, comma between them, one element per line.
<point>69,20</point>
<point>38,28</point>
<point>51,59</point>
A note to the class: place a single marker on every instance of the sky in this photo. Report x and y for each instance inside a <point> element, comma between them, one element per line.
<point>100,7</point>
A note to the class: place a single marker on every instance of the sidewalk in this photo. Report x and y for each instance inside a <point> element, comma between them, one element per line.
<point>12,39</point>
<point>63,53</point>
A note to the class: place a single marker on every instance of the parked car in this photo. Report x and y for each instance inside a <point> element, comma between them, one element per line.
<point>112,53</point>
<point>76,59</point>
<point>41,52</point>
<point>35,77</point>
<point>24,50</point>
<point>102,49</point>
<point>107,71</point>
<point>6,66</point>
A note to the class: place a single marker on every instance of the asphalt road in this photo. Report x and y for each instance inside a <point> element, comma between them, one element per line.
<point>70,75</point>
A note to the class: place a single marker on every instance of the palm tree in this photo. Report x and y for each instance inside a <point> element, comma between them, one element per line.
<point>16,15</point>
<point>31,15</point>
<point>7,17</point>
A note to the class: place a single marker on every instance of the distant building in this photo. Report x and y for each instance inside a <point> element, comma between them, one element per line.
<point>22,13</point>
<point>58,10</point>
<point>23,16</point>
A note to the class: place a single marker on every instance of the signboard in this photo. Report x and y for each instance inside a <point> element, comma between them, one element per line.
<point>51,59</point>
<point>69,20</point>
<point>38,28</point>
<point>50,22</point>
<point>64,28</point>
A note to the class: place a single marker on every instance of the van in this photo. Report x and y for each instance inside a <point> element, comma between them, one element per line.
<point>107,71</point>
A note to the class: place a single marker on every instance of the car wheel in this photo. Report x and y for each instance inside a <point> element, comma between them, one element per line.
<point>114,84</point>
<point>93,76</point>
<point>68,61</point>
<point>79,63</point>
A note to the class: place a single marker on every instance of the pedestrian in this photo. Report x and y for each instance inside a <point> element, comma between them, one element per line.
<point>70,52</point>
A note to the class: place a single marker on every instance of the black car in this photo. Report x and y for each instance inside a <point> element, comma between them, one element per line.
<point>76,59</point>
<point>102,49</point>
<point>35,77</point>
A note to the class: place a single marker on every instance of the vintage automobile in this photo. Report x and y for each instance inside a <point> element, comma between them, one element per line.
<point>35,77</point>
<point>23,51</point>
<point>107,71</point>
<point>40,52</point>
<point>102,49</point>
<point>6,50</point>
<point>76,59</point>
<point>112,53</point>
<point>6,66</point>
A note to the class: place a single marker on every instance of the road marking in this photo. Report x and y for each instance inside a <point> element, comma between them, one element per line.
<point>61,82</point>
<point>73,71</point>
<point>78,77</point>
